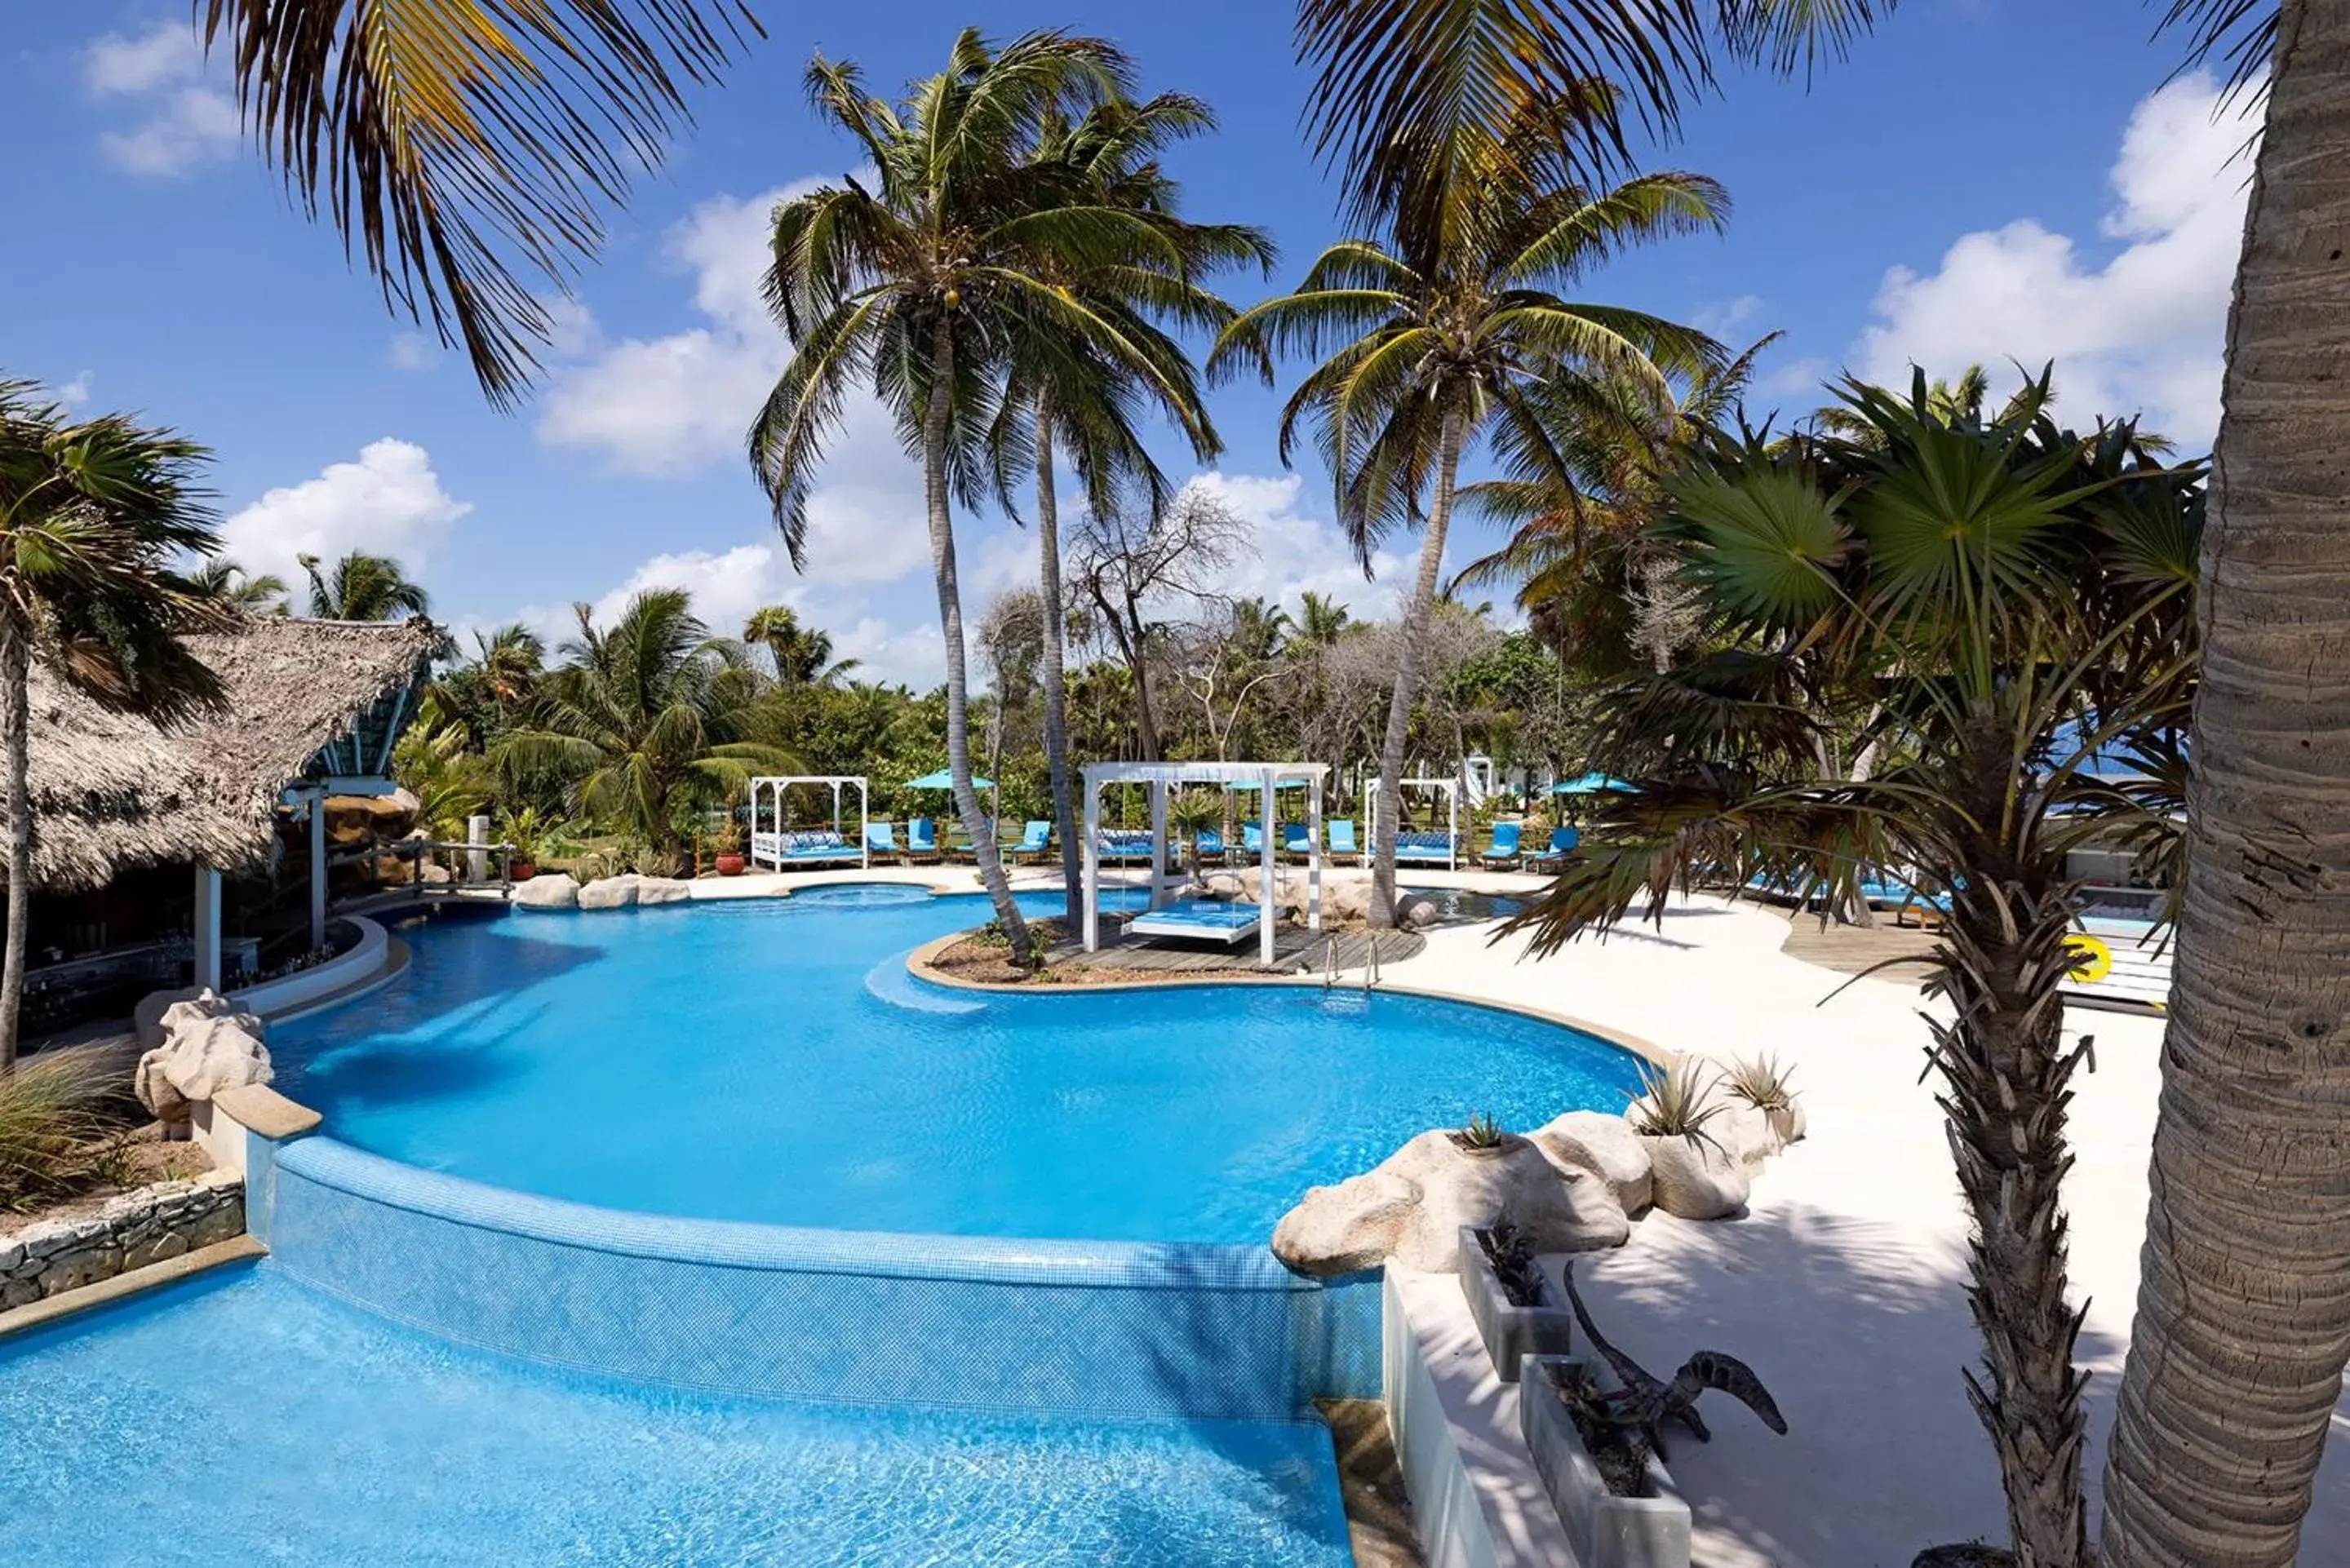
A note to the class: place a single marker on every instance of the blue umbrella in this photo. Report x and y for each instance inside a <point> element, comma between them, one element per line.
<point>1593,783</point>
<point>945,780</point>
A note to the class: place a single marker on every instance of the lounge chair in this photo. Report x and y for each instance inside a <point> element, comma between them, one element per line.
<point>1296,841</point>
<point>1342,840</point>
<point>1503,852</point>
<point>1252,843</point>
<point>1208,847</point>
<point>921,842</point>
<point>1424,850</point>
<point>1035,842</point>
<point>1562,842</point>
<point>821,848</point>
<point>1122,846</point>
<point>1205,920</point>
<point>881,841</point>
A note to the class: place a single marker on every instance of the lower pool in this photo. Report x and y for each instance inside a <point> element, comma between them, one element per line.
<point>243,1419</point>
<point>772,1060</point>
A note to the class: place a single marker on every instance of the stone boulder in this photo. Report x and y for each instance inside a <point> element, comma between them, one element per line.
<point>1747,1131</point>
<point>662,891</point>
<point>1347,900</point>
<point>1415,911</point>
<point>147,1017</point>
<point>611,892</point>
<point>1411,1206</point>
<point>208,1045</point>
<point>545,891</point>
<point>1605,1145</point>
<point>1693,1179</point>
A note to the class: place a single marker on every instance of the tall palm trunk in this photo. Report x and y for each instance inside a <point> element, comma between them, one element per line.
<point>1057,695</point>
<point>2243,1309</point>
<point>15,712</point>
<point>1390,811</point>
<point>942,563</point>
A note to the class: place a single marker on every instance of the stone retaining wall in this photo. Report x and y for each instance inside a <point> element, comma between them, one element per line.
<point>148,1226</point>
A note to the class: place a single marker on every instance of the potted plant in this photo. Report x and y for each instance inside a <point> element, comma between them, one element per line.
<point>528,836</point>
<point>1516,1311</point>
<point>727,851</point>
<point>1600,1450</point>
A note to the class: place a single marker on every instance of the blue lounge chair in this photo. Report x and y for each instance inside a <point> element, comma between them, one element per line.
<point>1562,842</point>
<point>1122,846</point>
<point>1207,919</point>
<point>820,847</point>
<point>1251,842</point>
<point>1296,841</point>
<point>1424,850</point>
<point>921,840</point>
<point>1035,840</point>
<point>882,839</point>
<point>1504,850</point>
<point>1342,839</point>
<point>1208,847</point>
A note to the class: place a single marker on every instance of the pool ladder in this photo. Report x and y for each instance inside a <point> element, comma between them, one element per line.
<point>1370,964</point>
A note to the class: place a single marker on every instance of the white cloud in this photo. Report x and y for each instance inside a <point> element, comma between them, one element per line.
<point>182,121</point>
<point>74,393</point>
<point>1296,551</point>
<point>2143,332</point>
<point>414,351</point>
<point>1719,319</point>
<point>389,502</point>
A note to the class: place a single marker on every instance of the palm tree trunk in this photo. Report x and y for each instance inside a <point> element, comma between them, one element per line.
<point>15,677</point>
<point>2243,1308</point>
<point>1057,696</point>
<point>942,562</point>
<point>1390,811</point>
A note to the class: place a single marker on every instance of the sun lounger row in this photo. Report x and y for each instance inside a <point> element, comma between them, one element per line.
<point>1123,846</point>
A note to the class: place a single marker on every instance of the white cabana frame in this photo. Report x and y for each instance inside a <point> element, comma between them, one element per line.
<point>767,843</point>
<point>1452,788</point>
<point>1161,777</point>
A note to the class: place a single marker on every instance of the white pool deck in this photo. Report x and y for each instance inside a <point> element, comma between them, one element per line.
<point>1843,1285</point>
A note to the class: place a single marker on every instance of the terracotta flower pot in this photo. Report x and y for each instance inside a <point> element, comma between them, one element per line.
<point>522,870</point>
<point>730,864</point>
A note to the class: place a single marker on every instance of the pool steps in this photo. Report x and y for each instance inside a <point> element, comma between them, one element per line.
<point>892,983</point>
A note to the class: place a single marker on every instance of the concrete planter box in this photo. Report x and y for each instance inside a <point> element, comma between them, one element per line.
<point>1510,1332</point>
<point>1603,1529</point>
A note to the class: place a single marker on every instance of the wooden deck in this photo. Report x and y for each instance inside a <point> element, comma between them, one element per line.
<point>1294,950</point>
<point>1853,949</point>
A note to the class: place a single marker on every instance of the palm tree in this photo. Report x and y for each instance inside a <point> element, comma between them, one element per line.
<point>457,141</point>
<point>91,515</point>
<point>2248,1245</point>
<point>930,289</point>
<point>1441,337</point>
<point>511,660</point>
<point>362,587</point>
<point>644,721</point>
<point>1068,398</point>
<point>1321,621</point>
<point>802,654</point>
<point>224,579</point>
<point>2007,600</point>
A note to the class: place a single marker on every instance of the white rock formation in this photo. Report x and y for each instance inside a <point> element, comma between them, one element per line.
<point>1693,1179</point>
<point>1605,1145</point>
<point>1748,1131</point>
<point>662,891</point>
<point>544,891</point>
<point>611,892</point>
<point>1414,910</point>
<point>208,1045</point>
<point>1411,1206</point>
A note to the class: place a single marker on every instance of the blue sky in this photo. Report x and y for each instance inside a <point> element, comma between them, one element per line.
<point>1985,179</point>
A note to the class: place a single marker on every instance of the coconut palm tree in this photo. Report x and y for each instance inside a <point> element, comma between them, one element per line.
<point>1321,621</point>
<point>1436,341</point>
<point>2006,600</point>
<point>1070,401</point>
<point>929,288</point>
<point>2244,1320</point>
<point>362,587</point>
<point>92,513</point>
<point>225,580</point>
<point>644,721</point>
<point>802,654</point>
<point>468,147</point>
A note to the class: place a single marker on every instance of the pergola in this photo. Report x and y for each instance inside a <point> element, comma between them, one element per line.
<point>1452,788</point>
<point>1161,777</point>
<point>769,843</point>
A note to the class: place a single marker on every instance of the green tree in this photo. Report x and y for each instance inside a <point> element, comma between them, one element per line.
<point>92,513</point>
<point>225,580</point>
<point>928,289</point>
<point>1436,341</point>
<point>362,587</point>
<point>1321,621</point>
<point>644,721</point>
<point>802,654</point>
<point>2007,599</point>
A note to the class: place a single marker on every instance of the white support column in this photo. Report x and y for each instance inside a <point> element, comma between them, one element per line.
<point>206,928</point>
<point>318,871</point>
<point>1092,868</point>
<point>1314,854</point>
<point>865,824</point>
<point>1452,836</point>
<point>1158,842</point>
<point>836,806</point>
<point>477,861</point>
<point>1266,835</point>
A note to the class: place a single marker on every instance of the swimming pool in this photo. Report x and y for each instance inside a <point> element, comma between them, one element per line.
<point>771,1061</point>
<point>327,1435</point>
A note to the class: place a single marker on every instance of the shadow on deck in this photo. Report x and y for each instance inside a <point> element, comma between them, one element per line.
<point>1295,951</point>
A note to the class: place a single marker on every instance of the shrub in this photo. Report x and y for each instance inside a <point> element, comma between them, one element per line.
<point>1481,1131</point>
<point>1676,1101</point>
<point>1761,1082</point>
<point>57,1133</point>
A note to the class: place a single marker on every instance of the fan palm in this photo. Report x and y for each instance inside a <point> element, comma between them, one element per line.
<point>465,145</point>
<point>1441,340</point>
<point>644,722</point>
<point>1084,403</point>
<point>2007,599</point>
<point>362,587</point>
<point>225,580</point>
<point>932,289</point>
<point>92,513</point>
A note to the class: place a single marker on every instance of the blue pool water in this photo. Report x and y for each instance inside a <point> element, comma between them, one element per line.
<point>771,1061</point>
<point>243,1419</point>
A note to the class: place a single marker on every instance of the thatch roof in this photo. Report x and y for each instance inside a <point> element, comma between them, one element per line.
<point>112,792</point>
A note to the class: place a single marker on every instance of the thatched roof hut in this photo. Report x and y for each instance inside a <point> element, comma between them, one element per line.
<point>112,792</point>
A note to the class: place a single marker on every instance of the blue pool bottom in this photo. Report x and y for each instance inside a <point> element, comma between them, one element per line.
<point>321,1435</point>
